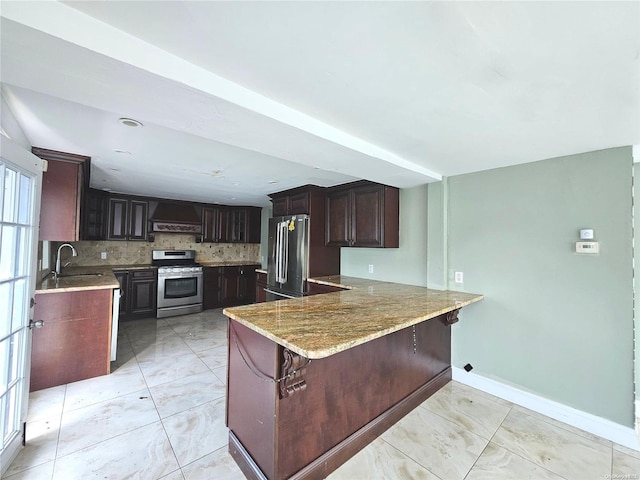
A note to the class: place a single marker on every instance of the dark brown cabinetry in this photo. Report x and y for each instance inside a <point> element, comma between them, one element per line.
<point>231,224</point>
<point>212,224</point>
<point>261,284</point>
<point>291,202</point>
<point>363,214</point>
<point>138,292</point>
<point>211,293</point>
<point>62,191</point>
<point>128,219</point>
<point>75,340</point>
<point>94,215</point>
<point>311,200</point>
<point>229,286</point>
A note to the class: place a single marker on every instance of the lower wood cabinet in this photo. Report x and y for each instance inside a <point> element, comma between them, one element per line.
<point>229,286</point>
<point>211,291</point>
<point>138,292</point>
<point>261,284</point>
<point>75,341</point>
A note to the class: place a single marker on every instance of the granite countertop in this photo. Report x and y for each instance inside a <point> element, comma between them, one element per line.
<point>84,281</point>
<point>321,325</point>
<point>229,263</point>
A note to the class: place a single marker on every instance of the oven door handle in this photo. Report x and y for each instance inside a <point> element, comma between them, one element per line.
<point>179,277</point>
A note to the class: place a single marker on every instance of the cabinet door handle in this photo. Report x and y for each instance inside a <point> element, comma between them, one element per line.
<point>36,324</point>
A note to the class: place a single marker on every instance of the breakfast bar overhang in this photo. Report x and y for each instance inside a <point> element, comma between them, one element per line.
<point>311,381</point>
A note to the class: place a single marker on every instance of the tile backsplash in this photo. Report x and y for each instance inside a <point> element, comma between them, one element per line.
<point>139,253</point>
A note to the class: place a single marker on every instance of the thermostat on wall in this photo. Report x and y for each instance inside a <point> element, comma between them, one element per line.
<point>587,247</point>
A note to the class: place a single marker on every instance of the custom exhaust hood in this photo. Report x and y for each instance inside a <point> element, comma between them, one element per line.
<point>175,218</point>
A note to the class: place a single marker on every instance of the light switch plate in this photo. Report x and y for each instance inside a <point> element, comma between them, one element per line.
<point>458,277</point>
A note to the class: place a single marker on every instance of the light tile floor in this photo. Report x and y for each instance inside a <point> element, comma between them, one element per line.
<point>160,415</point>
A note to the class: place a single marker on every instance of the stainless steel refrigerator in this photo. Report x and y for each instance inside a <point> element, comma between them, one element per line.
<point>288,264</point>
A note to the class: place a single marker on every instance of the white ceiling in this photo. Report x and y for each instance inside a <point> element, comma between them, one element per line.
<point>235,96</point>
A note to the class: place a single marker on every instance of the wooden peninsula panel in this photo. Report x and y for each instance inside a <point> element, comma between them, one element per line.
<point>75,341</point>
<point>312,381</point>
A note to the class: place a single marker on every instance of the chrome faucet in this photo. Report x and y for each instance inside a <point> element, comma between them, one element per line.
<point>58,269</point>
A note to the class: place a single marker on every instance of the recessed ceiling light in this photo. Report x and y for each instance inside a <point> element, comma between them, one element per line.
<point>129,122</point>
<point>233,198</point>
<point>114,169</point>
<point>273,181</point>
<point>235,184</point>
<point>123,152</point>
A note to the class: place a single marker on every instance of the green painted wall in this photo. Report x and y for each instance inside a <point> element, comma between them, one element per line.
<point>553,322</point>
<point>406,264</point>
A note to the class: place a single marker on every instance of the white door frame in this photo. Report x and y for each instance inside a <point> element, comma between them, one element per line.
<point>17,156</point>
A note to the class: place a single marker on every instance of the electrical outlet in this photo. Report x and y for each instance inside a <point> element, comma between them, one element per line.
<point>103,255</point>
<point>458,277</point>
<point>371,268</point>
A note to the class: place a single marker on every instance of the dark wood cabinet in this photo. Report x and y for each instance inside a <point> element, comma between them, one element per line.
<point>62,191</point>
<point>128,219</point>
<point>261,284</point>
<point>211,224</point>
<point>211,291</point>
<point>229,279</point>
<point>310,200</point>
<point>138,292</point>
<point>231,224</point>
<point>229,286</point>
<point>244,225</point>
<point>143,292</point>
<point>94,215</point>
<point>291,202</point>
<point>363,214</point>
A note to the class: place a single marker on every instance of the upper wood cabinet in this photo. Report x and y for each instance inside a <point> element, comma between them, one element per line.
<point>244,224</point>
<point>94,215</point>
<point>128,219</point>
<point>292,202</point>
<point>211,224</point>
<point>363,214</point>
<point>231,224</point>
<point>307,199</point>
<point>62,190</point>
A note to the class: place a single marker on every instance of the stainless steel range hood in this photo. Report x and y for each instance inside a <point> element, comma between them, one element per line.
<point>175,218</point>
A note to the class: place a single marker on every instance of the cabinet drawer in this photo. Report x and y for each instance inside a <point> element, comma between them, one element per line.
<point>140,274</point>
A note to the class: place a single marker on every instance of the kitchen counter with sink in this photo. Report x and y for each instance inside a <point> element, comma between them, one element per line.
<point>79,278</point>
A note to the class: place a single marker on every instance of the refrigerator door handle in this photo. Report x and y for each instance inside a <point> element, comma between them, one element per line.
<point>285,266</point>
<point>281,252</point>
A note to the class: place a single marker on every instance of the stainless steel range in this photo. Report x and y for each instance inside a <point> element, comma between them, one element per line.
<point>179,282</point>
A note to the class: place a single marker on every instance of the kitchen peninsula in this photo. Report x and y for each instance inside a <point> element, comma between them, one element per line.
<point>313,380</point>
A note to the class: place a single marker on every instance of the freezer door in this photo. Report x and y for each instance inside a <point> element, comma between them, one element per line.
<point>287,268</point>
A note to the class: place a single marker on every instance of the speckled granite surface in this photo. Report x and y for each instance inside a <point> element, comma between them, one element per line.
<point>322,325</point>
<point>228,263</point>
<point>85,281</point>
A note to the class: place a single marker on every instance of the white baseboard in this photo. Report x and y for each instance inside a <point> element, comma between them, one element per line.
<point>599,426</point>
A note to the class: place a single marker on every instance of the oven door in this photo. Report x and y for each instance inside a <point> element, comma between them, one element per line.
<point>177,290</point>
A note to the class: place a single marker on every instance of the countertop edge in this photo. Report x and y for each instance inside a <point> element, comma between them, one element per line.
<point>339,347</point>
